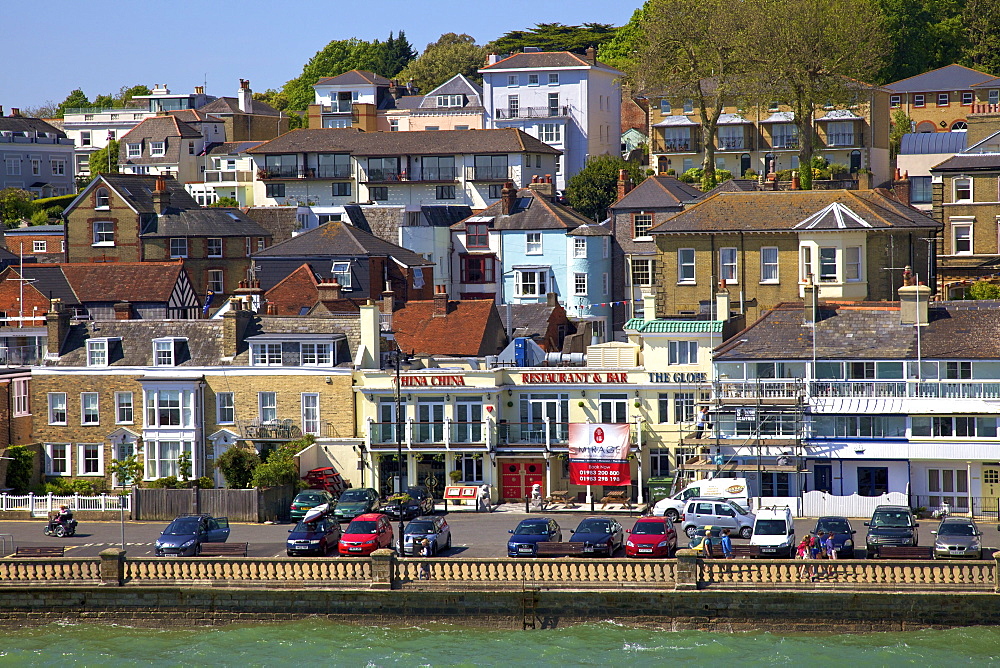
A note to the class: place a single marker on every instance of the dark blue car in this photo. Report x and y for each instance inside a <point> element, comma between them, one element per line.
<point>599,535</point>
<point>843,534</point>
<point>316,537</point>
<point>529,533</point>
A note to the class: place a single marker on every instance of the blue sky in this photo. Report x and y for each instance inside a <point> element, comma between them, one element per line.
<point>101,45</point>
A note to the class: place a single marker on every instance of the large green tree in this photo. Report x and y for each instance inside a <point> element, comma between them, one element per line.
<point>15,204</point>
<point>924,35</point>
<point>622,51</point>
<point>396,53</point>
<point>76,98</point>
<point>595,187</point>
<point>554,37</point>
<point>451,54</point>
<point>98,161</point>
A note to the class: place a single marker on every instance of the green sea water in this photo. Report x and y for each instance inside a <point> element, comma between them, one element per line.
<point>317,642</point>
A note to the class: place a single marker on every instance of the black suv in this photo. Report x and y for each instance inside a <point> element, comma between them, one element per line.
<point>420,503</point>
<point>891,525</point>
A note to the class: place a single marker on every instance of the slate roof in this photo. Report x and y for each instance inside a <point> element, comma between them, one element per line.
<point>531,212</point>
<point>465,330</point>
<point>590,230</point>
<point>279,221</point>
<point>25,124</point>
<point>157,128</point>
<point>353,78</point>
<point>989,83</point>
<point>956,330</point>
<point>341,239</point>
<point>530,320</point>
<point>969,162</point>
<point>294,292</point>
<point>193,116</point>
<point>947,78</point>
<point>34,230</point>
<point>922,143</point>
<point>674,326</point>
<point>123,281</point>
<point>137,190</point>
<point>439,142</point>
<point>540,60</point>
<point>231,147</point>
<point>457,85</point>
<point>445,216</point>
<point>734,186</point>
<point>769,211</point>
<point>657,192</point>
<point>49,280</point>
<point>203,222</point>
<point>231,105</point>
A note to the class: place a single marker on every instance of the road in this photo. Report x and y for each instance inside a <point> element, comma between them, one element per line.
<point>474,535</point>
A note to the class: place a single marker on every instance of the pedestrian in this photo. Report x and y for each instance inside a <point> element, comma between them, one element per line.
<point>425,553</point>
<point>484,499</point>
<point>830,547</point>
<point>819,551</point>
<point>702,422</point>
<point>803,552</point>
<point>726,544</point>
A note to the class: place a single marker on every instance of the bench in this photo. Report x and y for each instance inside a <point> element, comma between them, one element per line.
<point>552,549</point>
<point>47,551</point>
<point>904,552</point>
<point>615,497</point>
<point>739,552</point>
<point>224,549</point>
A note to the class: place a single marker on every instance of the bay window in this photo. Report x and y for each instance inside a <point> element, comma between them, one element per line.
<point>169,408</point>
<point>529,283</point>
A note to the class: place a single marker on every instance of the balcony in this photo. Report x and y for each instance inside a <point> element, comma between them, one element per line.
<point>22,355</point>
<point>267,173</point>
<point>269,430</point>
<point>489,174</point>
<point>446,175</point>
<point>843,139</point>
<point>228,176</point>
<point>736,392</point>
<point>533,433</point>
<point>381,176</point>
<point>532,112</point>
<point>19,138</point>
<point>785,142</point>
<point>417,435</point>
<point>734,144</point>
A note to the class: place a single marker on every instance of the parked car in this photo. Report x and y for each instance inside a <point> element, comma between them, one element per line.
<point>599,535</point>
<point>890,525</point>
<point>316,537</point>
<point>774,532</point>
<point>356,502</point>
<point>705,541</point>
<point>365,534</point>
<point>185,534</point>
<point>529,533</point>
<point>308,499</point>
<point>958,538</point>
<point>420,502</point>
<point>701,512</point>
<point>651,537</point>
<point>433,528</point>
<point>843,534</point>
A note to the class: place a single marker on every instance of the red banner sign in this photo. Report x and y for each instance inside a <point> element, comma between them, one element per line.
<point>598,454</point>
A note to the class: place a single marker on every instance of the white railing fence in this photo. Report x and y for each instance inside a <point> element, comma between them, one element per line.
<point>40,505</point>
<point>817,504</point>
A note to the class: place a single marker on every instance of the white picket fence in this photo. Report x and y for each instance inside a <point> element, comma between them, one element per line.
<point>816,504</point>
<point>40,505</point>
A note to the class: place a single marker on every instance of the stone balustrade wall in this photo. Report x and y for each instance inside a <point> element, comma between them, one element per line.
<point>248,571</point>
<point>50,570</point>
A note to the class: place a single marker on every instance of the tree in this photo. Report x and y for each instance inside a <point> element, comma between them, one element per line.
<point>819,53</point>
<point>237,465</point>
<point>397,52</point>
<point>184,466</point>
<point>103,102</point>
<point>981,19</point>
<point>19,468</point>
<point>45,110</point>
<point>900,124</point>
<point>280,468</point>
<point>226,202</point>
<point>983,290</point>
<point>98,161</point>
<point>622,50</point>
<point>126,93</point>
<point>595,187</point>
<point>687,52</point>
<point>554,37</point>
<point>77,98</point>
<point>128,471</point>
<point>451,54</point>
<point>923,35</point>
<point>15,204</point>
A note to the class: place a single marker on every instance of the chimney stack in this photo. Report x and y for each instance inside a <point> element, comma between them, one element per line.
<point>57,326</point>
<point>251,294</point>
<point>810,298</point>
<point>624,184</point>
<point>14,111</point>
<point>649,307</point>
<point>508,198</point>
<point>722,302</point>
<point>440,301</point>
<point>329,290</point>
<point>234,326</point>
<point>161,196</point>
<point>245,98</point>
<point>198,90</point>
<point>901,187</point>
<point>795,180</point>
<point>552,299</point>
<point>913,304</point>
<point>865,181</point>
<point>1,111</point>
<point>591,55</point>
<point>123,311</point>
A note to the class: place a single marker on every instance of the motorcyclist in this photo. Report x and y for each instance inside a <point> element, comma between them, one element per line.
<point>63,517</point>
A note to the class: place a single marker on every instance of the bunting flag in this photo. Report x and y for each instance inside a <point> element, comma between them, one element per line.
<point>621,303</point>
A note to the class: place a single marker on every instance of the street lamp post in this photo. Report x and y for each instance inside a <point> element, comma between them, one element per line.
<point>399,359</point>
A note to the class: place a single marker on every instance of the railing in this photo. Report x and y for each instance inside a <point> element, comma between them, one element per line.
<point>732,143</point>
<point>380,176</point>
<point>221,176</point>
<point>759,390</point>
<point>328,172</point>
<point>840,389</point>
<point>22,355</point>
<point>48,571</point>
<point>445,174</point>
<point>679,147</point>
<point>42,504</point>
<point>448,432</point>
<point>21,139</point>
<point>532,433</point>
<point>280,173</point>
<point>269,430</point>
<point>244,571</point>
<point>488,173</point>
<point>842,139</point>
<point>533,112</point>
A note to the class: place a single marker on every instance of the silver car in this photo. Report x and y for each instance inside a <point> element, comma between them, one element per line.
<point>958,538</point>
<point>433,528</point>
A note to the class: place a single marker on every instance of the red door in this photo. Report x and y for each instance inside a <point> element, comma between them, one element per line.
<point>517,478</point>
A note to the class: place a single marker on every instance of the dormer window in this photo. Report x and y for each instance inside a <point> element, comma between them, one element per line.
<point>316,350</point>
<point>97,352</point>
<point>265,354</point>
<point>157,149</point>
<point>166,351</point>
<point>342,272</point>
<point>450,101</point>
<point>135,150</point>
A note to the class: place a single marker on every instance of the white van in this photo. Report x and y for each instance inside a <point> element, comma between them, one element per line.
<point>774,532</point>
<point>734,489</point>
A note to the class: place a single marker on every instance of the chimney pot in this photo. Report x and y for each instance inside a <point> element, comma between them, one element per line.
<point>795,180</point>
<point>441,305</point>
<point>14,111</point>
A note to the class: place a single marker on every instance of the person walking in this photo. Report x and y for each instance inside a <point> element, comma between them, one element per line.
<point>804,552</point>
<point>726,544</point>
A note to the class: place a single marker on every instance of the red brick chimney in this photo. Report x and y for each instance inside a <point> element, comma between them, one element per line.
<point>508,198</point>
<point>795,180</point>
<point>329,290</point>
<point>591,55</point>
<point>123,311</point>
<point>440,301</point>
<point>14,111</point>
<point>624,185</point>
<point>161,196</point>
<point>901,187</point>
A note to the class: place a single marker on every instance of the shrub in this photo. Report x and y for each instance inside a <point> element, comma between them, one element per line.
<point>692,175</point>
<point>750,174</point>
<point>205,482</point>
<point>19,470</point>
<point>280,468</point>
<point>237,465</point>
<point>168,482</point>
<point>983,290</point>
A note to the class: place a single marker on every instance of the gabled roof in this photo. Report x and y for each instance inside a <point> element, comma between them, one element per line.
<point>231,147</point>
<point>947,78</point>
<point>231,105</point>
<point>203,222</point>
<point>770,211</point>
<point>734,186</point>
<point>294,292</point>
<point>439,142</point>
<point>123,281</point>
<point>25,124</point>
<point>193,116</point>
<point>922,143</point>
<point>457,85</point>
<point>531,212</point>
<point>969,162</point>
<point>161,127</point>
<point>590,230</point>
<point>834,216</point>
<point>989,83</point>
<point>658,192</point>
<point>354,78</point>
<point>531,320</point>
<point>342,240</point>
<point>538,60</point>
<point>676,121</point>
<point>35,230</point>
<point>136,190</point>
<point>418,329</point>
<point>51,282</point>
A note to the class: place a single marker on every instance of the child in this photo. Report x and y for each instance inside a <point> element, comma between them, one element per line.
<point>726,544</point>
<point>804,552</point>
<point>425,552</point>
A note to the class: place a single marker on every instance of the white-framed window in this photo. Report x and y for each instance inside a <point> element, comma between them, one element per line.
<point>57,459</point>
<point>805,253</point>
<point>310,413</point>
<point>157,149</point>
<point>90,413</point>
<point>471,468</point>
<point>550,132</point>
<point>162,457</point>
<point>213,247</point>
<point>58,166</point>
<point>19,392</point>
<point>919,100</point>
<point>665,107</point>
<point>688,106</point>
<point>641,222</point>
<point>685,265</point>
<point>727,265</point>
<point>827,263</point>
<point>342,272</point>
<point>225,408</point>
<point>943,99</point>
<point>532,79</point>
<point>579,247</point>
<point>599,331</point>
<point>962,239</point>
<point>553,78</point>
<point>529,283</point>
<point>533,243</point>
<point>265,354</point>
<point>613,408</point>
<point>104,233</point>
<point>216,280</point>
<point>769,264</point>
<point>511,79</point>
<point>580,285</point>
<point>85,138</point>
<point>178,247</point>
<point>450,100</point>
<point>894,101</point>
<point>169,408</point>
<point>316,354</point>
<point>642,271</point>
<point>267,405</point>
<point>57,407</point>
<point>89,460</point>
<point>124,408</point>
<point>682,352</point>
<point>967,98</point>
<point>606,247</point>
<point>134,150</point>
<point>97,352</point>
<point>852,263</point>
<point>38,246</point>
<point>963,190</point>
<point>163,352</point>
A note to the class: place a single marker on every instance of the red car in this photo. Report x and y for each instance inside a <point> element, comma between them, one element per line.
<point>651,537</point>
<point>365,534</point>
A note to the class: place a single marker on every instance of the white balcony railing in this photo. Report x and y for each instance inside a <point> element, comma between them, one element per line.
<point>868,389</point>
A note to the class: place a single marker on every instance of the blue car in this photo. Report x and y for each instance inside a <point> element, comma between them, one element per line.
<point>599,535</point>
<point>529,533</point>
<point>316,537</point>
<point>183,537</point>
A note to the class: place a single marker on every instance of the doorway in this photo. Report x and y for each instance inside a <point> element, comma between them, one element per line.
<point>430,474</point>
<point>517,478</point>
<point>823,478</point>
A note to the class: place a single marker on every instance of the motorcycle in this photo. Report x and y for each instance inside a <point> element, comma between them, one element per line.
<point>61,530</point>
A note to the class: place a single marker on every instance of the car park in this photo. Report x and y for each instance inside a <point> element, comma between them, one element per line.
<point>651,537</point>
<point>717,513</point>
<point>355,502</point>
<point>316,537</point>
<point>774,532</point>
<point>185,534</point>
<point>433,528</point>
<point>365,534</point>
<point>957,538</point>
<point>843,534</point>
<point>308,499</point>
<point>528,533</point>
<point>415,501</point>
<point>599,535</point>
<point>890,525</point>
